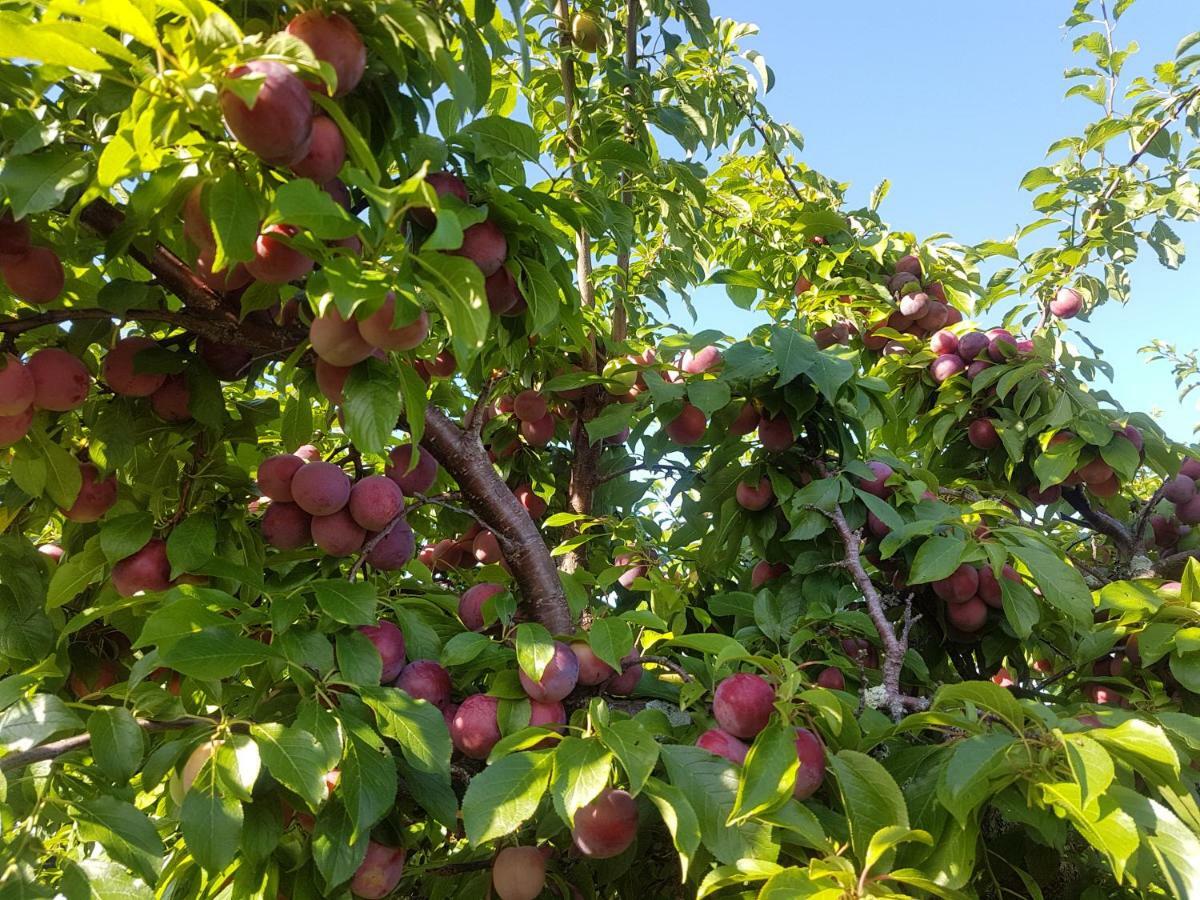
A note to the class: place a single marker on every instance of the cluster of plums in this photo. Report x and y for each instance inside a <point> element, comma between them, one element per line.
<point>316,502</point>
<point>1093,473</point>
<point>921,308</point>
<point>742,707</point>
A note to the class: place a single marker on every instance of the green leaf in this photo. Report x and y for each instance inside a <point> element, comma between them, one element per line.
<point>710,784</point>
<point>535,649</point>
<point>986,696</point>
<point>63,478</point>
<point>504,795</point>
<point>1020,607</point>
<point>936,558</point>
<point>30,721</point>
<point>493,136</point>
<point>71,578</point>
<point>40,181</point>
<point>125,535</point>
<point>211,822</point>
<point>348,602</point>
<point>368,783</point>
<point>768,774</point>
<point>885,839</point>
<point>1090,764</point>
<point>185,609</point>
<point>966,780</point>
<point>294,758</point>
<point>1062,586</point>
<point>871,797</point>
<point>358,660</point>
<point>335,851</point>
<point>372,404</point>
<point>635,748</point>
<point>581,770</point>
<point>416,725</point>
<point>1104,825</point>
<point>125,832</point>
<point>456,285</point>
<point>680,819</point>
<point>709,396</point>
<point>191,543</point>
<point>214,654</point>
<point>118,743</point>
<point>302,203</point>
<point>611,639</point>
<point>1142,745</point>
<point>793,884</point>
<point>233,211</point>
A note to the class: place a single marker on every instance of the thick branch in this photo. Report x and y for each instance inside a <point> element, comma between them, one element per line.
<point>894,648</point>
<point>520,540</point>
<point>1100,521</point>
<point>55,749</point>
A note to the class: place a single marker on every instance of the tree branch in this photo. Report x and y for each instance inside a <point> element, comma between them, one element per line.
<point>1100,521</point>
<point>55,749</point>
<point>894,647</point>
<point>658,661</point>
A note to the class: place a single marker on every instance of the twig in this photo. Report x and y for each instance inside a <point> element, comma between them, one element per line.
<point>783,169</point>
<point>475,417</point>
<point>643,467</point>
<point>1139,524</point>
<point>1100,521</point>
<point>657,660</point>
<point>55,749</point>
<point>374,542</point>
<point>894,647</point>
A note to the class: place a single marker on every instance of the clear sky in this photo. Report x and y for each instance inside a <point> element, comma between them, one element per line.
<point>953,101</point>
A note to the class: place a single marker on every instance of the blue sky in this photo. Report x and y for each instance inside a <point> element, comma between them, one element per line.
<point>953,102</point>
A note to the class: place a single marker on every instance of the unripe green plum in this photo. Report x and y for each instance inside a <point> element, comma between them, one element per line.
<point>320,488</point>
<point>326,152</point>
<point>337,340</point>
<point>36,276</point>
<point>338,534</point>
<point>379,328</point>
<point>333,39</point>
<point>558,678</point>
<point>389,641</point>
<point>182,781</point>
<point>375,501</point>
<point>607,826</point>
<point>275,474</point>
<point>120,370</point>
<point>278,129</point>
<point>96,495</point>
<point>146,570</point>
<point>586,32</point>
<point>475,728</point>
<point>285,526</point>
<point>519,873</point>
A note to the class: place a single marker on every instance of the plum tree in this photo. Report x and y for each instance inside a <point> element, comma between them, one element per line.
<point>519,873</point>
<point>320,488</point>
<point>558,678</point>
<point>742,704</point>
<point>389,641</point>
<point>278,127</point>
<point>123,372</point>
<point>375,501</point>
<point>607,826</point>
<point>474,728</point>
<point>424,679</point>
<point>858,528</point>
